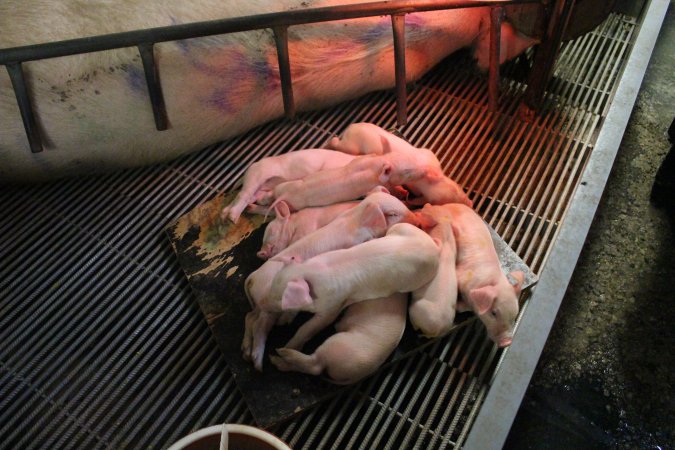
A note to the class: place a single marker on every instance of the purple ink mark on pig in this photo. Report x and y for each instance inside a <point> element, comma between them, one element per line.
<point>136,79</point>
<point>415,21</point>
<point>183,46</point>
<point>261,68</point>
<point>221,99</point>
<point>375,33</point>
<point>267,75</point>
<point>335,52</point>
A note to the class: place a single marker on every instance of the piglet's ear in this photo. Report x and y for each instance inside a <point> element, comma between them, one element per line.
<point>296,296</point>
<point>282,210</point>
<point>519,277</point>
<point>385,173</point>
<point>426,221</point>
<point>386,147</point>
<point>483,298</point>
<point>433,174</point>
<point>373,218</point>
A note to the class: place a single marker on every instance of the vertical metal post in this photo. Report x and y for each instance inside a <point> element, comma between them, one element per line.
<point>542,67</point>
<point>147,53</point>
<point>496,16</point>
<point>15,71</point>
<point>281,38</point>
<point>398,25</point>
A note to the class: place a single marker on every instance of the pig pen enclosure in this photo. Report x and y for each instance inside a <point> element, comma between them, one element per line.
<point>103,344</point>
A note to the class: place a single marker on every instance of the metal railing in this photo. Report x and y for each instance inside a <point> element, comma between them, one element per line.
<point>279,22</point>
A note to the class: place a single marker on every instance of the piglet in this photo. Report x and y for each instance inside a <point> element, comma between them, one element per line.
<point>370,219</point>
<point>263,175</point>
<point>435,187</point>
<point>366,335</point>
<point>287,228</point>
<point>404,260</point>
<point>258,323</point>
<point>350,182</point>
<point>483,287</point>
<point>432,307</point>
<point>364,138</point>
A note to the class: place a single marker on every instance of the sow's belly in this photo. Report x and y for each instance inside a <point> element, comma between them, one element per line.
<point>93,110</point>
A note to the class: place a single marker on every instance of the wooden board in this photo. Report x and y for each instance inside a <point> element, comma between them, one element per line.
<point>217,257</point>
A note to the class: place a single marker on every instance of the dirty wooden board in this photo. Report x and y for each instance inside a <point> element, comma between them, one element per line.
<point>217,257</point>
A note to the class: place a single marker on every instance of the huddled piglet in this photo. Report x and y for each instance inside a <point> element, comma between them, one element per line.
<point>405,259</point>
<point>483,287</point>
<point>262,176</point>
<point>432,307</point>
<point>288,227</point>
<point>258,323</point>
<point>364,138</point>
<point>351,181</point>
<point>368,220</point>
<point>434,187</point>
<point>367,334</point>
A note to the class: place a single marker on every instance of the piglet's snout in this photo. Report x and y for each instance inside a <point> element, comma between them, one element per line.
<point>504,340</point>
<point>265,252</point>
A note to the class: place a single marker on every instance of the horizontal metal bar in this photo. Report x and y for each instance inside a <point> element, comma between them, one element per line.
<point>234,25</point>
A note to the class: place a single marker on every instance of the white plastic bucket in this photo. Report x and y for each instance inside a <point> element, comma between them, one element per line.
<point>241,437</point>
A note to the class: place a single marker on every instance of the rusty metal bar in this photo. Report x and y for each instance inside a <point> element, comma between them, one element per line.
<point>496,16</point>
<point>15,71</point>
<point>278,21</point>
<point>542,67</point>
<point>235,25</point>
<point>398,25</point>
<point>147,53</point>
<point>281,39</point>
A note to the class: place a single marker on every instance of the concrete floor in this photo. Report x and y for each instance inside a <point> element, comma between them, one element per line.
<point>605,378</point>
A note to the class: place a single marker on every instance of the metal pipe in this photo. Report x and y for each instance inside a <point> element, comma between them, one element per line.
<point>281,39</point>
<point>542,67</point>
<point>398,25</point>
<point>235,25</point>
<point>496,16</point>
<point>147,53</point>
<point>15,71</point>
<point>278,21</point>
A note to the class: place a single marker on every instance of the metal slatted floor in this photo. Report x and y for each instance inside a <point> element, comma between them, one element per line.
<point>103,346</point>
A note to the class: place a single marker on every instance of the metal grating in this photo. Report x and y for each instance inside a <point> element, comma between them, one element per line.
<point>103,346</point>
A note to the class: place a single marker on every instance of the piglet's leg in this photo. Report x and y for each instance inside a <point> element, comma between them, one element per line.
<point>309,329</point>
<point>259,209</point>
<point>293,360</point>
<point>431,318</point>
<point>261,330</point>
<point>247,342</point>
<point>258,325</point>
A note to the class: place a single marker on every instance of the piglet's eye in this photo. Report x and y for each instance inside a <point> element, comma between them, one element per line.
<point>494,313</point>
